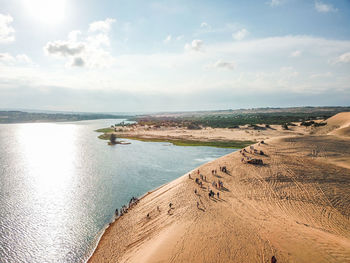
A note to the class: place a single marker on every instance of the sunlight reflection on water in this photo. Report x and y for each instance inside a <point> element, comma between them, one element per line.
<point>60,185</point>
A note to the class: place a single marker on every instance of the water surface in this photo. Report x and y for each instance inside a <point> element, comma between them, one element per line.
<point>60,185</point>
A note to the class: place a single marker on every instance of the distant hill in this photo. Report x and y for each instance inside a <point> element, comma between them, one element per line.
<point>26,117</point>
<point>232,118</point>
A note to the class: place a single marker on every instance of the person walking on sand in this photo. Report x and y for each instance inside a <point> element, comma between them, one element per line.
<point>195,191</point>
<point>218,195</point>
<point>170,205</point>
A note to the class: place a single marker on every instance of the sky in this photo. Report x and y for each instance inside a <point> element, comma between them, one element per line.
<point>130,56</point>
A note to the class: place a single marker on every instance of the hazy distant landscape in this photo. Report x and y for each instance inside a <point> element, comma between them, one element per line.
<point>27,117</point>
<point>232,118</point>
<point>215,119</point>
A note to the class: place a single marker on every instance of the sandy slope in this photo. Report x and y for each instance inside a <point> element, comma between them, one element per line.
<point>338,125</point>
<point>341,119</point>
<point>296,207</point>
<point>342,123</point>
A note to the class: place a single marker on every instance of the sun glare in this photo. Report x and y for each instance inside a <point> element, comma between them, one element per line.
<point>46,11</point>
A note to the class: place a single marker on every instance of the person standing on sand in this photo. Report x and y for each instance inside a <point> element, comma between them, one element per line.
<point>218,195</point>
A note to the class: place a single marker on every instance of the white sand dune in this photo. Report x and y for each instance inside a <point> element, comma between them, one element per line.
<point>295,207</point>
<point>338,125</point>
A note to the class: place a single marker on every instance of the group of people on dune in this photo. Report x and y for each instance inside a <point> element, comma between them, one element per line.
<point>124,209</point>
<point>218,185</point>
<point>252,150</point>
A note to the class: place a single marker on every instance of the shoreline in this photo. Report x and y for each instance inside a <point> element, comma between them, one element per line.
<point>293,206</point>
<point>237,138</point>
<point>115,219</point>
<point>108,225</point>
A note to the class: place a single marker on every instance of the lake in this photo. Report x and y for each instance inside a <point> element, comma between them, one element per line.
<point>60,185</point>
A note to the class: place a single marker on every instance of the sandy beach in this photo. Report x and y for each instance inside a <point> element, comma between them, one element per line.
<point>243,133</point>
<point>295,207</point>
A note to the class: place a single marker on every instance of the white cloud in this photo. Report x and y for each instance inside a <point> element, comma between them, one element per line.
<point>240,34</point>
<point>295,53</point>
<point>102,26</point>
<point>344,58</point>
<point>170,38</point>
<point>8,59</point>
<point>224,65</point>
<point>324,8</point>
<point>78,62</point>
<point>74,35</point>
<point>89,51</point>
<point>98,40</point>
<point>167,39</point>
<point>178,38</point>
<point>6,31</point>
<point>204,24</point>
<point>64,48</point>
<point>23,58</point>
<point>196,45</point>
<point>273,3</point>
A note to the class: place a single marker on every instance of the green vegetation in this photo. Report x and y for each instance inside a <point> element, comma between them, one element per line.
<point>234,118</point>
<point>285,126</point>
<point>312,123</point>
<point>219,144</point>
<point>105,130</point>
<point>104,136</point>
